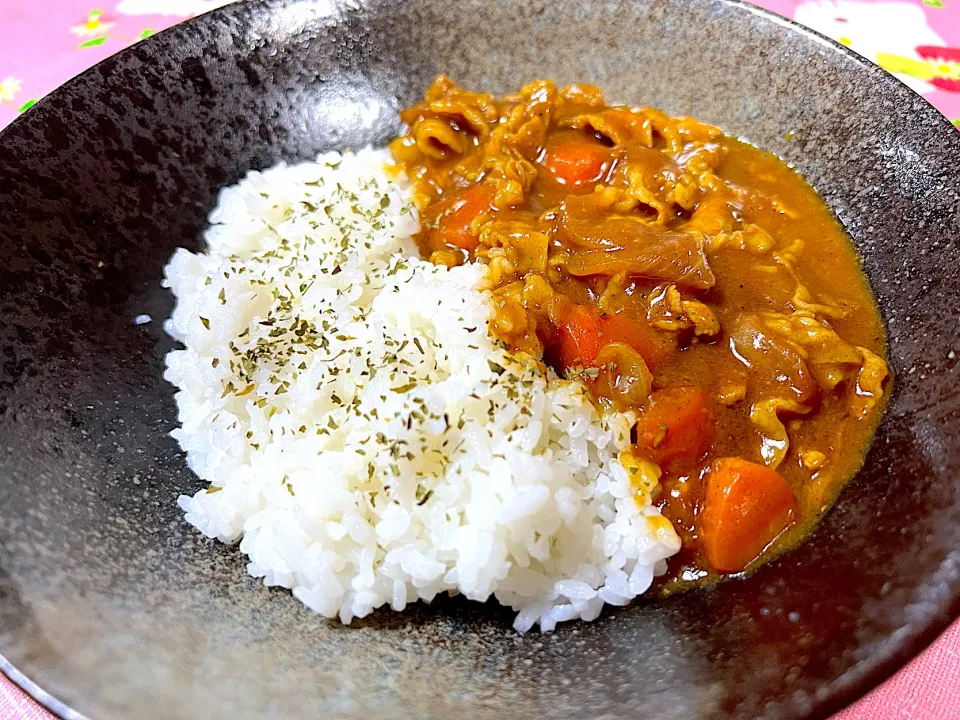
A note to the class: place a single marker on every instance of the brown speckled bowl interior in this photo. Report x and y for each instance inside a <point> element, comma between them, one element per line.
<point>116,608</point>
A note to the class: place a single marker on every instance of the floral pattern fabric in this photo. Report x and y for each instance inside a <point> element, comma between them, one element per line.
<point>45,42</point>
<point>916,40</point>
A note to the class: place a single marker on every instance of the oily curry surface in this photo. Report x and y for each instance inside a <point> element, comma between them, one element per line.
<point>685,277</point>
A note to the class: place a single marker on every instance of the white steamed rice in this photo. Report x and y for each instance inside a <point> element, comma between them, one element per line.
<point>364,437</point>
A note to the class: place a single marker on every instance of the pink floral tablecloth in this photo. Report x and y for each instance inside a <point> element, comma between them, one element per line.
<point>45,42</point>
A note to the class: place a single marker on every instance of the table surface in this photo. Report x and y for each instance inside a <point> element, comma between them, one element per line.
<point>45,42</point>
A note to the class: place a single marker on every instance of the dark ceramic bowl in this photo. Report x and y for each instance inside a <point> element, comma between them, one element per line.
<point>115,607</point>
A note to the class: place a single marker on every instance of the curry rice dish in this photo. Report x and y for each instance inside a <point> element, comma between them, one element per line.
<point>545,349</point>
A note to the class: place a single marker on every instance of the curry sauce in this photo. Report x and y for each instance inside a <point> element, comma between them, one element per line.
<point>686,277</point>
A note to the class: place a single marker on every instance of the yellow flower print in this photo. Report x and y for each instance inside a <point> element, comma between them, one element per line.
<point>923,69</point>
<point>95,26</point>
<point>9,87</point>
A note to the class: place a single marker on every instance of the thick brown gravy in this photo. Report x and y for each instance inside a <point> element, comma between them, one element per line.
<point>829,268</point>
<point>685,276</point>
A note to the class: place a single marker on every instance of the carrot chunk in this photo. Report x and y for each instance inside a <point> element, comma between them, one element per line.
<point>584,330</point>
<point>577,163</point>
<point>452,217</point>
<point>580,337</point>
<point>675,429</point>
<point>746,506</point>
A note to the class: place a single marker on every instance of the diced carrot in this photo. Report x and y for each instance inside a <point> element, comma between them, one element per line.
<point>675,429</point>
<point>653,346</point>
<point>453,216</point>
<point>746,506</point>
<point>580,338</point>
<point>577,163</point>
<point>584,330</point>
